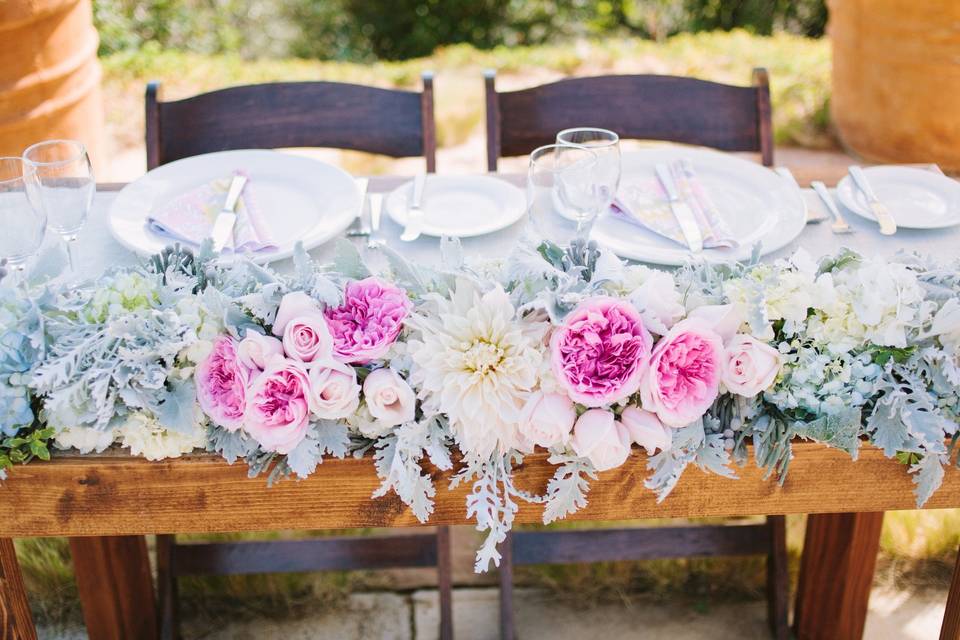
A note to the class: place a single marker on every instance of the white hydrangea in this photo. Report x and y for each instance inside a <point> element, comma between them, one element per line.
<point>84,439</point>
<point>144,436</point>
<point>121,293</point>
<point>205,327</point>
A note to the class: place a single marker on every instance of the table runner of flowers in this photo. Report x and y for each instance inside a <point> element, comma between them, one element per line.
<point>565,349</point>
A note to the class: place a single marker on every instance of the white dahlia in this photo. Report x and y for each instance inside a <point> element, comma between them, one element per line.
<point>474,360</point>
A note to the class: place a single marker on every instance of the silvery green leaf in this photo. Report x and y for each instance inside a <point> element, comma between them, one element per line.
<point>928,426</point>
<point>841,431</point>
<point>887,428</point>
<point>232,445</point>
<point>305,457</point>
<point>713,457</point>
<point>928,476</point>
<point>669,465</point>
<point>333,438</point>
<point>348,262</point>
<point>567,489</point>
<point>176,411</point>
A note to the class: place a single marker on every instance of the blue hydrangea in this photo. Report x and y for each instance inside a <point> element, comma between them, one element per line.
<point>15,410</point>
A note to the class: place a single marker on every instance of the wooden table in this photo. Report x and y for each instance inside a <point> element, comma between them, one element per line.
<point>107,503</point>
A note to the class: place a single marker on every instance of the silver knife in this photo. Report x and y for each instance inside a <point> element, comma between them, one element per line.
<point>358,227</point>
<point>681,210</point>
<point>411,230</point>
<point>888,226</point>
<point>376,210</point>
<point>227,218</point>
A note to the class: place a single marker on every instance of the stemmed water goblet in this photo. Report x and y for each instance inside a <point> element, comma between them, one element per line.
<point>606,145</point>
<point>22,217</point>
<point>565,191</point>
<point>66,188</point>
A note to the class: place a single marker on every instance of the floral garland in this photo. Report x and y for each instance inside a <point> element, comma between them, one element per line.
<point>566,349</point>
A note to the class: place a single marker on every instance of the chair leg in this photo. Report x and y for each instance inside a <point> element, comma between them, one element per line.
<point>778,578</point>
<point>445,583</point>
<point>506,589</point>
<point>167,588</point>
<point>950,630</point>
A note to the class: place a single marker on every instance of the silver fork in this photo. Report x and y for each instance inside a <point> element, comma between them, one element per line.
<point>839,225</point>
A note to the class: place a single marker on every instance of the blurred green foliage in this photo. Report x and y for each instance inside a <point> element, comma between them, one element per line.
<point>364,30</point>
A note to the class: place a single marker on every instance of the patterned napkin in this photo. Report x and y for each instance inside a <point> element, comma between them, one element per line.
<point>189,218</point>
<point>645,203</point>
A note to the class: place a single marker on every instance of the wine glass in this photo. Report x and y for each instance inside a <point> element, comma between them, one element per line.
<point>22,217</point>
<point>67,186</point>
<point>604,143</point>
<point>562,192</point>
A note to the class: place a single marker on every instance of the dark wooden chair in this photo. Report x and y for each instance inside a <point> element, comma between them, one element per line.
<point>293,114</point>
<point>643,107</point>
<point>279,115</point>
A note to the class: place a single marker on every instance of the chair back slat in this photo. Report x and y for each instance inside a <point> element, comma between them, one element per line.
<point>292,114</point>
<point>640,107</point>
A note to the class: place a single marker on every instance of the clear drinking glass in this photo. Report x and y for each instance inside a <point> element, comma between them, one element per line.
<point>22,217</point>
<point>604,143</point>
<point>67,186</point>
<point>562,192</point>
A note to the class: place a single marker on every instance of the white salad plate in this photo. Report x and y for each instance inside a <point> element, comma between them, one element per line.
<point>916,198</point>
<point>460,206</point>
<point>758,206</point>
<point>302,199</point>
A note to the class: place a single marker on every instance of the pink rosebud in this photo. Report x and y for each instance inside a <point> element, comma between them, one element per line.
<point>751,366</point>
<point>278,406</point>
<point>389,398</point>
<point>368,321</point>
<point>600,353</point>
<point>646,429</point>
<point>307,338</point>
<point>547,418</point>
<point>684,375</point>
<point>291,306</point>
<point>599,438</point>
<point>256,349</point>
<point>335,392</point>
<point>221,383</point>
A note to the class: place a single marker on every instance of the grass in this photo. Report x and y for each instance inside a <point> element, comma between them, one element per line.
<point>799,71</point>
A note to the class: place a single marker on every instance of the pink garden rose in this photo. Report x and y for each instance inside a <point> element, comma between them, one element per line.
<point>684,375</point>
<point>256,349</point>
<point>600,353</point>
<point>389,398</point>
<point>303,327</point>
<point>547,419</point>
<point>750,366</point>
<point>335,392</point>
<point>599,438</point>
<point>278,406</point>
<point>646,429</point>
<point>221,383</point>
<point>368,321</point>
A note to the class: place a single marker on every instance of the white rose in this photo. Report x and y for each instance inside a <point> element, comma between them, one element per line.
<point>389,398</point>
<point>723,319</point>
<point>256,349</point>
<point>599,438</point>
<point>334,392</point>
<point>646,429</point>
<point>658,301</point>
<point>547,418</point>
<point>749,366</point>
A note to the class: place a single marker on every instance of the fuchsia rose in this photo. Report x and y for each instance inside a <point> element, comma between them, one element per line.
<point>368,321</point>
<point>221,383</point>
<point>599,438</point>
<point>600,352</point>
<point>646,429</point>
<point>256,349</point>
<point>335,392</point>
<point>278,406</point>
<point>684,375</point>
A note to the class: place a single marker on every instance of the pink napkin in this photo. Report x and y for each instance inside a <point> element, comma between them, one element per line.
<point>189,218</point>
<point>645,203</point>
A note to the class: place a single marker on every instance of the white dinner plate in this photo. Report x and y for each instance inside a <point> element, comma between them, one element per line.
<point>303,199</point>
<point>757,204</point>
<point>461,206</point>
<point>916,198</point>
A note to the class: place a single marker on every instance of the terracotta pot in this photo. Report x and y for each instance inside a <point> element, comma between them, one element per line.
<point>896,79</point>
<point>49,75</point>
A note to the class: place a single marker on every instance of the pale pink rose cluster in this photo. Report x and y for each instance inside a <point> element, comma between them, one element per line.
<point>271,386</point>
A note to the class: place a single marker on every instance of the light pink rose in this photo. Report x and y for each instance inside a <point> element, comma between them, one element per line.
<point>600,352</point>
<point>368,321</point>
<point>307,339</point>
<point>723,319</point>
<point>256,349</point>
<point>221,382</point>
<point>599,438</point>
<point>547,418</point>
<point>684,375</point>
<point>750,366</point>
<point>646,429</point>
<point>292,305</point>
<point>335,392</point>
<point>278,406</point>
<point>389,398</point>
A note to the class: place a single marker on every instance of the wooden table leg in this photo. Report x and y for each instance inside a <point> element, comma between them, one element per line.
<point>951,616</point>
<point>836,573</point>
<point>116,588</point>
<point>16,622</point>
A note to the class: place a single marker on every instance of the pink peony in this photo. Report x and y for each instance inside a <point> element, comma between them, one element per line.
<point>221,384</point>
<point>600,352</point>
<point>547,419</point>
<point>278,406</point>
<point>599,438</point>
<point>646,429</point>
<point>684,375</point>
<point>751,366</point>
<point>256,349</point>
<point>368,321</point>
